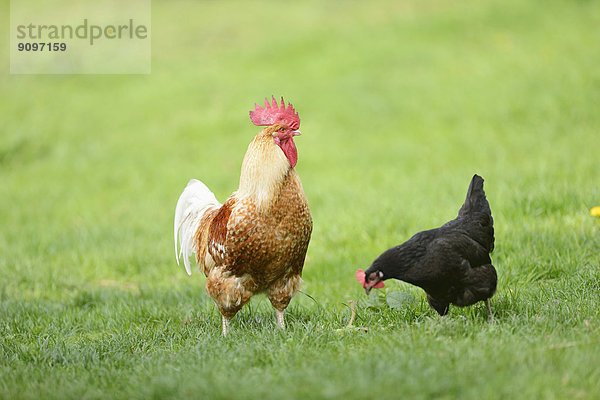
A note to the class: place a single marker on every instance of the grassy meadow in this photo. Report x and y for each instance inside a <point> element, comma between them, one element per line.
<point>401,103</point>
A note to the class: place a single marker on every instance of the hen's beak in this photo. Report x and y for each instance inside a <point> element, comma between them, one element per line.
<point>371,284</point>
<point>296,133</point>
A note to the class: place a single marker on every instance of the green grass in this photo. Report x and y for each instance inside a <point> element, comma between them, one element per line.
<point>400,105</point>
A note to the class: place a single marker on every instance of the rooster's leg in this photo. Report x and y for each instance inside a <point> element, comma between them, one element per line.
<point>225,325</point>
<point>280,320</point>
<point>489,311</point>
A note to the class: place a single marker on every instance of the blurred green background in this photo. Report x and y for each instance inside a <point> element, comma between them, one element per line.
<point>401,103</point>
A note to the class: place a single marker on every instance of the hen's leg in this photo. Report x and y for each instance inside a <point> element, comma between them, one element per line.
<point>440,306</point>
<point>489,311</point>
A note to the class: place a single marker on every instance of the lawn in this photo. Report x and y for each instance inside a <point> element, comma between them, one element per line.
<point>401,103</point>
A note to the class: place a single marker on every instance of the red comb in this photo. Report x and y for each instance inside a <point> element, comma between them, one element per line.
<point>275,114</point>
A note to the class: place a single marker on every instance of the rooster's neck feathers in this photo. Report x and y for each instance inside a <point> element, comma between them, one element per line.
<point>264,169</point>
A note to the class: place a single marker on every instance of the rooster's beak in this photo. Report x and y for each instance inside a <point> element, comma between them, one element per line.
<point>296,133</point>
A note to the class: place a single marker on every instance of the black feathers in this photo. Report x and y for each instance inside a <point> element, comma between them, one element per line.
<point>451,263</point>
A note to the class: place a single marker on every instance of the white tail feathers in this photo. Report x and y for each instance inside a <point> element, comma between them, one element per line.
<point>195,200</point>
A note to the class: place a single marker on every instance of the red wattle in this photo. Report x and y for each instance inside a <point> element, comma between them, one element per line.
<point>289,149</point>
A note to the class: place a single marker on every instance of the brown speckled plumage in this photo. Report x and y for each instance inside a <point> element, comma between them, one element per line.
<point>256,241</point>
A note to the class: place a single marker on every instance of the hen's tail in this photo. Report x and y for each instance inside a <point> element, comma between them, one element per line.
<point>475,216</point>
<point>476,200</point>
<point>193,203</point>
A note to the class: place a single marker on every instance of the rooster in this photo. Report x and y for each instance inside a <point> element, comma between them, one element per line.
<point>256,241</point>
<point>451,263</point>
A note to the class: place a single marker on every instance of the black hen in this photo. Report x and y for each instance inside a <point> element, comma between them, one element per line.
<point>451,263</point>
